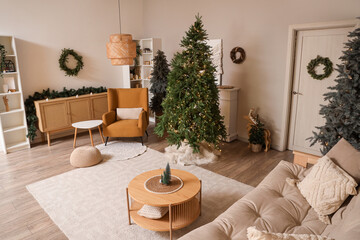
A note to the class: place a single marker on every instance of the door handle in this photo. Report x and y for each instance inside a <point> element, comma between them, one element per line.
<point>296,93</point>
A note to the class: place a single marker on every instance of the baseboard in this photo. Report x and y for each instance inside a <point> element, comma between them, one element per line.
<point>57,135</point>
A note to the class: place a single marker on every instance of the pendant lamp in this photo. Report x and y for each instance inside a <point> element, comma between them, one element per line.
<point>121,49</point>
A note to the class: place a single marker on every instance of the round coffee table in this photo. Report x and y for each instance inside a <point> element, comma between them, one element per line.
<point>88,125</point>
<point>184,205</point>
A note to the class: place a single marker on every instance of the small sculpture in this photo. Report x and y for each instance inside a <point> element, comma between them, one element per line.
<point>166,176</point>
<point>6,103</point>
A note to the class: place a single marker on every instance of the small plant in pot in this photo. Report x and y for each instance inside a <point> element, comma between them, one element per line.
<point>256,135</point>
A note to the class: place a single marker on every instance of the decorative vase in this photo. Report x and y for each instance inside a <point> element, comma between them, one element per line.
<point>256,147</point>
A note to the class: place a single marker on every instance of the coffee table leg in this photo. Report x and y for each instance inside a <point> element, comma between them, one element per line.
<point>200,197</point>
<point>91,138</point>
<point>170,221</point>
<point>75,138</point>
<point>102,138</point>
<point>128,207</point>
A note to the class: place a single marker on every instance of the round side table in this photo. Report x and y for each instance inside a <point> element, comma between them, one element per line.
<point>184,205</point>
<point>88,125</point>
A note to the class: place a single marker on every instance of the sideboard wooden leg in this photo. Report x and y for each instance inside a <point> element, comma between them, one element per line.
<point>91,138</point>
<point>74,146</point>
<point>48,138</point>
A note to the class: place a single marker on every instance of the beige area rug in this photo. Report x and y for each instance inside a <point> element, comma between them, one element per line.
<point>90,203</point>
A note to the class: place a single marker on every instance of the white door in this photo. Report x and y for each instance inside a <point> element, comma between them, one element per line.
<point>308,92</point>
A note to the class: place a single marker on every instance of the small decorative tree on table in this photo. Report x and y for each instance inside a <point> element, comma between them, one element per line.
<point>191,106</point>
<point>166,176</point>
<point>343,112</point>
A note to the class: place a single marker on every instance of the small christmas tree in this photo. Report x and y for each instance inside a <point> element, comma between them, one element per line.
<point>166,176</point>
<point>191,107</point>
<point>159,82</point>
<point>342,114</point>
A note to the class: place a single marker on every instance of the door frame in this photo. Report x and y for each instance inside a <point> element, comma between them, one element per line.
<point>289,72</point>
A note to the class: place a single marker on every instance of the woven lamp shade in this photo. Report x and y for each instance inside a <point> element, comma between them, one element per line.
<point>121,49</point>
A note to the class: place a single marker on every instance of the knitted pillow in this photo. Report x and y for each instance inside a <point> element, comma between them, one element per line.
<point>326,187</point>
<point>153,212</point>
<point>254,234</point>
<point>128,113</point>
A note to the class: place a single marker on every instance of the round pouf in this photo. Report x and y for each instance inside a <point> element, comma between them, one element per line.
<point>85,156</point>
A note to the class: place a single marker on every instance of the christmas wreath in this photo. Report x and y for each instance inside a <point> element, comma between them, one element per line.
<point>236,59</point>
<point>64,59</point>
<point>328,67</point>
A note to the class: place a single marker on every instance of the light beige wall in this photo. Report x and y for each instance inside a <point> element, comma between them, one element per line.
<point>261,28</point>
<point>43,28</point>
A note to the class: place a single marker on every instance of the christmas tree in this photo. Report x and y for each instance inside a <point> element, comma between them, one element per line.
<point>342,114</point>
<point>159,82</point>
<point>191,107</point>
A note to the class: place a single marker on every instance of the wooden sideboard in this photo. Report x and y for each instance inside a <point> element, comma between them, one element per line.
<point>58,114</point>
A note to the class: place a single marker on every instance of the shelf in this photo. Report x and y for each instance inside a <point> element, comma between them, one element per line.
<point>146,65</point>
<point>10,55</point>
<point>10,129</point>
<point>17,145</point>
<point>9,93</point>
<point>12,111</point>
<point>148,53</point>
<point>9,73</point>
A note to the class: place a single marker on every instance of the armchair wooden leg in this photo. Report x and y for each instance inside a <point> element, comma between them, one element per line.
<point>142,141</point>
<point>107,139</point>
<point>146,133</point>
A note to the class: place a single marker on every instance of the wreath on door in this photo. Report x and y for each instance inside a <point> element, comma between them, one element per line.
<point>64,59</point>
<point>328,67</point>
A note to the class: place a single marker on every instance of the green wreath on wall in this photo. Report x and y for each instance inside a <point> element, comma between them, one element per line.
<point>328,67</point>
<point>64,59</point>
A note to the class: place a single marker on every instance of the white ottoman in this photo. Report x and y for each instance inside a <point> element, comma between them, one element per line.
<point>85,156</point>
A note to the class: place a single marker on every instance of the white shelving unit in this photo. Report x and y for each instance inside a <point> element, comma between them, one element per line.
<point>13,127</point>
<point>145,67</point>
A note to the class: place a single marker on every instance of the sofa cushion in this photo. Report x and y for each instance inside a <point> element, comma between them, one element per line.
<point>273,206</point>
<point>326,187</point>
<point>254,234</point>
<point>346,221</point>
<point>347,157</point>
<point>152,212</point>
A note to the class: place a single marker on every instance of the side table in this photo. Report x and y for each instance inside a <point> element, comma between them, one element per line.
<point>184,205</point>
<point>88,125</point>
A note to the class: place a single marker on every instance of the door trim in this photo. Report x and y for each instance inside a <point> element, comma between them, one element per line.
<point>290,61</point>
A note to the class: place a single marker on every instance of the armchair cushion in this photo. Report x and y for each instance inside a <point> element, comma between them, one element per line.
<point>124,128</point>
<point>128,113</point>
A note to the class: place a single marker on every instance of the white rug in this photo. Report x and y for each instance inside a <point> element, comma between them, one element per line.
<point>119,150</point>
<point>90,203</point>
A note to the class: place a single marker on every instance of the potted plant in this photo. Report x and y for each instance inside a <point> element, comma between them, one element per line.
<point>2,59</point>
<point>159,83</point>
<point>257,135</point>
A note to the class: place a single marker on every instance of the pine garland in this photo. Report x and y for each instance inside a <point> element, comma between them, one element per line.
<point>64,59</point>
<point>30,110</point>
<point>328,67</point>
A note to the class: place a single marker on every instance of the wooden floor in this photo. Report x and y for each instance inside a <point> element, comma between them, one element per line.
<point>21,217</point>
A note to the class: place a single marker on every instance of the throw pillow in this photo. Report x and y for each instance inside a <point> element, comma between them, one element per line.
<point>254,234</point>
<point>128,113</point>
<point>153,212</point>
<point>326,187</point>
<point>347,157</point>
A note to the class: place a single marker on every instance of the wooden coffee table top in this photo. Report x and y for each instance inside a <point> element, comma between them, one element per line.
<point>138,192</point>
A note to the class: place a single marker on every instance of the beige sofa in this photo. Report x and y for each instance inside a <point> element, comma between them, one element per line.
<point>277,207</point>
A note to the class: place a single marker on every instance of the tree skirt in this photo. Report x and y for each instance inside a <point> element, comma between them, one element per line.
<point>121,150</point>
<point>90,203</point>
<point>184,155</point>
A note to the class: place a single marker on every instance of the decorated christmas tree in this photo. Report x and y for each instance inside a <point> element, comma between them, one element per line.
<point>159,82</point>
<point>342,114</point>
<point>191,107</point>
